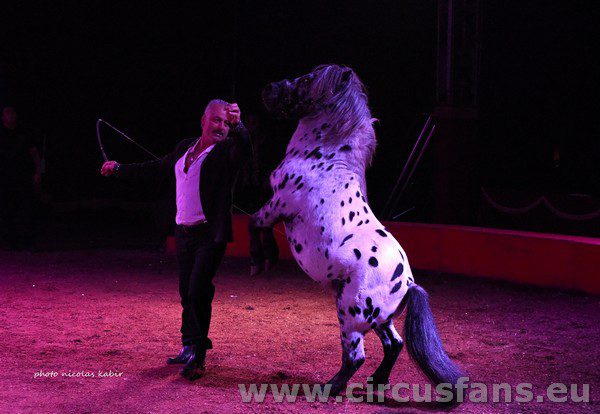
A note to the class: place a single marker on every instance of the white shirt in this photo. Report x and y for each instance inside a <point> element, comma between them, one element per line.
<point>189,207</point>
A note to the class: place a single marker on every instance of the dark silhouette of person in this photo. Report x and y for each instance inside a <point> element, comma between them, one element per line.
<point>20,175</point>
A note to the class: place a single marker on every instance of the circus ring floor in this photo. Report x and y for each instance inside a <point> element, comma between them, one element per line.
<point>118,310</point>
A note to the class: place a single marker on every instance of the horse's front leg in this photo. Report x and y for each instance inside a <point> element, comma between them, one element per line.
<point>264,252</point>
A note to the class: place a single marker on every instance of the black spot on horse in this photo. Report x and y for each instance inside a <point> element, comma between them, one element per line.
<point>327,253</point>
<point>357,253</point>
<point>357,194</point>
<point>298,248</point>
<point>396,287</point>
<point>322,201</point>
<point>352,311</point>
<point>345,148</point>
<point>373,262</point>
<point>330,156</point>
<point>398,272</point>
<point>342,203</point>
<point>315,153</point>
<point>365,209</point>
<point>374,249</point>
<point>351,215</point>
<point>348,237</point>
<point>381,233</point>
<point>283,182</point>
<point>376,312</point>
<point>343,221</point>
<point>359,223</point>
<point>300,186</point>
<point>297,180</point>
<point>369,302</point>
<point>329,168</point>
<point>325,126</point>
<point>329,275</point>
<point>322,229</point>
<point>350,200</point>
<point>346,186</point>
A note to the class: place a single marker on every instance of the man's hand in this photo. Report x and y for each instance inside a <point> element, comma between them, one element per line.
<point>109,167</point>
<point>233,113</point>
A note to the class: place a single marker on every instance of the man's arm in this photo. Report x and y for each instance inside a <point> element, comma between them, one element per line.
<point>242,146</point>
<point>143,171</point>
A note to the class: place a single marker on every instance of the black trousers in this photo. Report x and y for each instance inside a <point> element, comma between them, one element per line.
<point>198,258</point>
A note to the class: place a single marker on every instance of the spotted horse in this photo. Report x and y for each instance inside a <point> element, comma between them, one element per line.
<point>320,194</point>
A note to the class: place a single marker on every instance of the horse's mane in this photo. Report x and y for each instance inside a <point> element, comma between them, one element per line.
<point>343,97</point>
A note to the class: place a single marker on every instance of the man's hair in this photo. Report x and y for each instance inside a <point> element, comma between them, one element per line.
<point>215,102</point>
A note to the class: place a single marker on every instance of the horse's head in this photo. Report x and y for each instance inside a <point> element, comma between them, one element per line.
<point>311,93</point>
<point>337,93</point>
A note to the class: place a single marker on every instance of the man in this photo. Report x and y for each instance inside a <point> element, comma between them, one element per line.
<point>20,171</point>
<point>205,171</point>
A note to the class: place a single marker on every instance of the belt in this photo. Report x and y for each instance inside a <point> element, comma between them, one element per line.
<point>193,228</point>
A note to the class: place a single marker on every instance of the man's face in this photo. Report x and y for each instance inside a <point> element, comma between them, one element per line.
<point>9,117</point>
<point>214,123</point>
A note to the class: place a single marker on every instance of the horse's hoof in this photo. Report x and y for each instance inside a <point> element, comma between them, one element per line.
<point>336,389</point>
<point>255,270</point>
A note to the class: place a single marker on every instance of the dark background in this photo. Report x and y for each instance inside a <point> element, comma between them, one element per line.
<point>150,69</point>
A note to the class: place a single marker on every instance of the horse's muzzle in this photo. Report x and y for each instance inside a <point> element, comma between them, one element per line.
<point>273,96</point>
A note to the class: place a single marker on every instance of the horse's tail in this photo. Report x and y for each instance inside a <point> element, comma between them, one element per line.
<point>423,341</point>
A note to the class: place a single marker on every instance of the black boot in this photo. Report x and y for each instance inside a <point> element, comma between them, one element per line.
<point>184,355</point>
<point>195,366</point>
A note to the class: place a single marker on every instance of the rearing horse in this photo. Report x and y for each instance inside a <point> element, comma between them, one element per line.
<point>320,194</point>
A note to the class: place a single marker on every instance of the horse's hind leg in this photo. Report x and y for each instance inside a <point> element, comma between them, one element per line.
<point>392,345</point>
<point>263,248</point>
<point>353,356</point>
